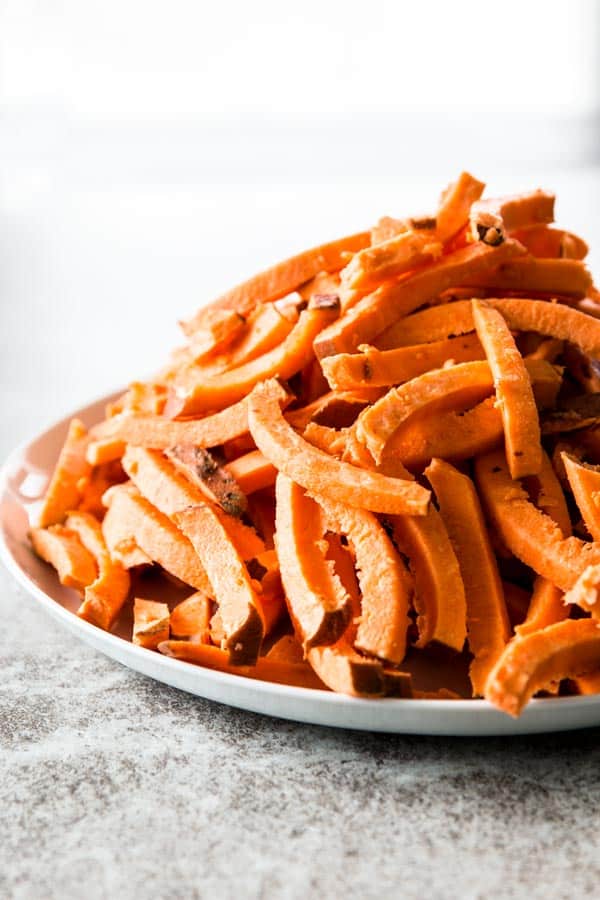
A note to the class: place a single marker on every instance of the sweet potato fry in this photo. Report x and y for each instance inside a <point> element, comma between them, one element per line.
<point>385,583</point>
<point>551,243</point>
<point>455,205</point>
<point>157,536</point>
<point>219,328</point>
<point>564,650</point>
<point>379,368</point>
<point>514,394</point>
<point>169,491</point>
<point>584,480</point>
<point>546,607</point>
<point>370,267</point>
<point>157,433</point>
<point>555,277</point>
<point>491,219</point>
<point>202,469</point>
<point>62,548</point>
<point>296,674</point>
<point>318,603</point>
<point>377,311</point>
<point>435,323</point>
<point>150,623</point>
<point>343,670</point>
<point>238,603</point>
<point>105,450</point>
<point>191,618</point>
<point>252,472</point>
<point>316,471</point>
<point>63,491</point>
<point>488,628</point>
<point>437,391</point>
<point>282,362</point>
<point>104,597</point>
<point>552,319</point>
<point>528,532</point>
<point>282,278</point>
<point>335,408</point>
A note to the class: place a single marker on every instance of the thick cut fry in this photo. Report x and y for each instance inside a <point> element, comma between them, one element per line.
<point>105,596</point>
<point>455,205</point>
<point>150,623</point>
<point>546,607</point>
<point>436,323</point>
<point>169,491</point>
<point>63,492</point>
<point>556,277</point>
<point>551,243</point>
<point>584,481</point>
<point>157,536</point>
<point>239,604</point>
<point>157,433</point>
<point>214,481</point>
<point>545,491</point>
<point>318,603</point>
<point>454,435</point>
<point>296,674</point>
<point>62,548</point>
<point>191,618</point>
<point>514,394</point>
<point>117,536</point>
<point>335,408</point>
<point>379,368</point>
<point>488,627</point>
<point>374,265</point>
<point>552,319</point>
<point>282,278</point>
<point>564,650</point>
<point>440,595</point>
<point>385,583</point>
<point>318,472</point>
<point>252,472</point>
<point>282,362</point>
<point>491,219</point>
<point>377,311</point>
<point>219,328</point>
<point>456,387</point>
<point>530,534</point>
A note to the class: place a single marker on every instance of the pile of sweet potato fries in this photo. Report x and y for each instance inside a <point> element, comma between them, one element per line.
<point>384,445</point>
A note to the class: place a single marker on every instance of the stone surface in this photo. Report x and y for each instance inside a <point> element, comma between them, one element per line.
<point>114,786</point>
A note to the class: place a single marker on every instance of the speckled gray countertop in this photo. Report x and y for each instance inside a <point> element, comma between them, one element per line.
<point>114,786</point>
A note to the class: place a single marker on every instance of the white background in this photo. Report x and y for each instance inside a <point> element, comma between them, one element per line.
<point>153,154</point>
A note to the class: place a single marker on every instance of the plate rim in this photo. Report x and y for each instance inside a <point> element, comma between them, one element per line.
<point>106,642</point>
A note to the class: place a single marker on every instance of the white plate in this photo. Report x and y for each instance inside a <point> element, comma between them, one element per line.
<point>23,481</point>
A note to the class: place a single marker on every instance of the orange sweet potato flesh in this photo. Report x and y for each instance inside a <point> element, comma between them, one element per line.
<point>435,392</point>
<point>238,603</point>
<point>584,481</point>
<point>252,472</point>
<point>150,623</point>
<point>551,243</point>
<point>488,627</point>
<point>201,468</point>
<point>63,493</point>
<point>514,394</point>
<point>370,267</point>
<point>385,583</point>
<point>546,607</point>
<point>283,361</point>
<point>169,491</point>
<point>379,368</point>
<point>557,277</point>
<point>319,473</point>
<point>104,451</point>
<point>530,534</point>
<point>435,323</point>
<point>379,310</point>
<point>62,548</point>
<point>492,218</point>
<point>158,537</point>
<point>343,670</point>
<point>219,328</point>
<point>105,596</point>
<point>552,319</point>
<point>455,204</point>
<point>191,618</point>
<point>333,408</point>
<point>455,435</point>
<point>564,650</point>
<point>318,603</point>
<point>295,674</point>
<point>284,277</point>
<point>158,433</point>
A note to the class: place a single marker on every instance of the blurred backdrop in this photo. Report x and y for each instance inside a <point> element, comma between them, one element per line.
<point>154,153</point>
